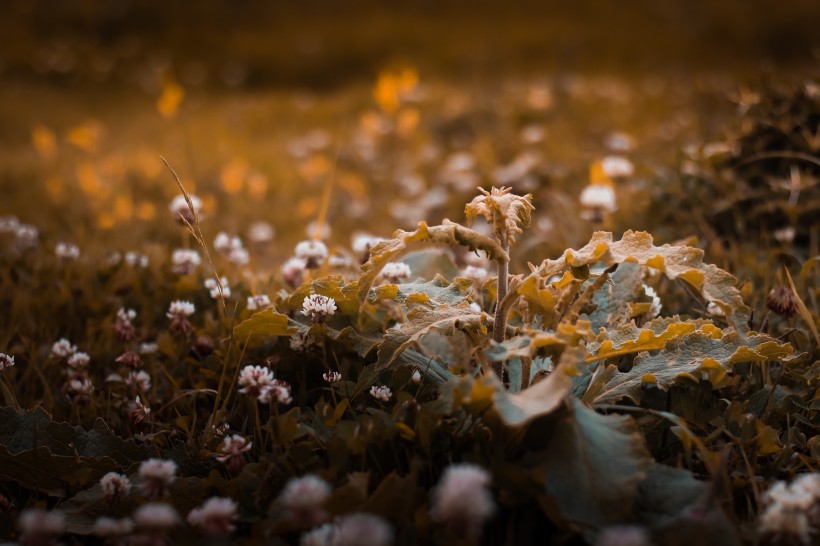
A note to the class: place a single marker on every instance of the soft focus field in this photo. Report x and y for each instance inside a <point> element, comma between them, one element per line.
<point>639,385</point>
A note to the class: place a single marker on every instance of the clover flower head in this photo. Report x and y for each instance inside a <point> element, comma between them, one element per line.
<point>381,393</point>
<point>261,301</point>
<point>110,527</point>
<point>9,224</point>
<point>462,500</point>
<point>360,529</point>
<point>136,259</point>
<point>278,391</point>
<point>214,287</point>
<point>302,499</point>
<point>260,232</point>
<point>253,379</point>
<point>781,301</point>
<point>318,307</point>
<point>185,261</point>
<point>793,510</point>
<point>67,251</point>
<point>477,274</point>
<point>314,253</point>
<point>139,411</point>
<point>78,360</point>
<point>156,516</point>
<point>504,212</point>
<point>63,348</point>
<point>148,348</point>
<point>293,271</point>
<point>78,388</point>
<point>38,525</point>
<point>130,359</point>
<point>181,212</point>
<point>26,236</point>
<point>6,361</point>
<point>320,536</point>
<point>617,166</point>
<point>180,309</point>
<point>332,377</point>
<point>600,197</point>
<point>215,517</point>
<point>139,380</point>
<point>362,243</point>
<point>156,475</point>
<point>395,272</point>
<point>115,486</point>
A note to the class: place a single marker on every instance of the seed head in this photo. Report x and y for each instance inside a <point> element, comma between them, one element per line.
<point>781,300</point>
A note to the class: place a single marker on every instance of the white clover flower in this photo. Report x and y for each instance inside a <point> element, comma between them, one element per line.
<point>215,517</point>
<point>126,315</point>
<point>338,261</point>
<point>361,529</point>
<point>78,360</point>
<point>293,271</point>
<point>477,274</point>
<point>222,242</point>
<point>324,231</point>
<point>278,391</point>
<point>260,232</point>
<point>6,361</point>
<point>395,272</point>
<point>462,500</point>
<point>180,309</point>
<point>317,307</point>
<point>214,287</point>
<point>314,253</point>
<point>67,251</point>
<point>140,380</point>
<point>332,377</point>
<point>253,379</point>
<point>37,525</point>
<point>321,536</point>
<point>302,499</point>
<point>362,243</point>
<point>616,166</point>
<point>115,486</point>
<point>785,235</point>
<point>180,210</point>
<point>26,236</point>
<point>239,256</point>
<point>9,224</point>
<point>381,393</point>
<point>136,259</point>
<point>109,527</point>
<point>139,411</point>
<point>156,516</point>
<point>262,301</point>
<point>148,348</point>
<point>156,475</point>
<point>793,510</point>
<point>78,388</point>
<point>598,196</point>
<point>655,310</point>
<point>233,451</point>
<point>185,261</point>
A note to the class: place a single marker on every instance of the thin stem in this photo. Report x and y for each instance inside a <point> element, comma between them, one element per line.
<point>500,324</point>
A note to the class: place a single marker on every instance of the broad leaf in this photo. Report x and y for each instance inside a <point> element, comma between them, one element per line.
<point>262,326</point>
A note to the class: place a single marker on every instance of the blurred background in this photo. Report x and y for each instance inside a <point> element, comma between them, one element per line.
<point>371,116</point>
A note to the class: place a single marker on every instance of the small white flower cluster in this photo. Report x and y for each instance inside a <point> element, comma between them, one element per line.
<point>38,526</point>
<point>318,307</point>
<point>26,236</point>
<point>381,393</point>
<point>362,243</point>
<point>6,361</point>
<point>156,517</point>
<point>232,248</point>
<point>793,510</point>
<point>214,285</point>
<point>462,499</point>
<point>123,327</point>
<point>261,301</point>
<point>157,475</point>
<point>148,348</point>
<point>293,271</point>
<point>233,451</point>
<point>181,212</point>
<point>67,251</point>
<point>597,200</point>
<point>616,166</point>
<point>77,386</point>
<point>110,527</point>
<point>140,381</point>
<point>136,259</point>
<point>9,224</point>
<point>332,377</point>
<point>260,232</point>
<point>258,382</point>
<point>115,486</point>
<point>313,253</point>
<point>303,498</point>
<point>215,517</point>
<point>395,272</point>
<point>478,275</point>
<point>357,529</point>
<point>178,313</point>
<point>185,261</point>
<point>139,411</point>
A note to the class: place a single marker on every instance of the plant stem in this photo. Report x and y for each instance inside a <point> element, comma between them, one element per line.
<point>500,323</point>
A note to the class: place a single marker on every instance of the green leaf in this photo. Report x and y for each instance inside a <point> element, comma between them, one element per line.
<point>612,301</point>
<point>446,319</point>
<point>591,467</point>
<point>706,353</point>
<point>262,326</point>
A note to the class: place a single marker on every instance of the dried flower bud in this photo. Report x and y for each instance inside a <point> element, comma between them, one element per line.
<point>504,211</point>
<point>130,359</point>
<point>781,300</point>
